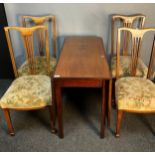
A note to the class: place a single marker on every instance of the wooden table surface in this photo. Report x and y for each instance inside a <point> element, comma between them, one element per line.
<point>83,57</point>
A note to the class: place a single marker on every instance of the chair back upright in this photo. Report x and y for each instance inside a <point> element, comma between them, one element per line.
<point>151,68</point>
<point>42,20</point>
<point>136,42</point>
<point>27,36</point>
<point>125,21</point>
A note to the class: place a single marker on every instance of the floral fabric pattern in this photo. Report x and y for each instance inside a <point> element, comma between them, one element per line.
<point>28,92</point>
<point>124,69</point>
<point>41,66</point>
<point>135,94</point>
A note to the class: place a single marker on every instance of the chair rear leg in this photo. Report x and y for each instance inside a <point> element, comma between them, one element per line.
<point>113,94</point>
<point>8,120</point>
<point>119,120</point>
<point>52,119</point>
<point>109,102</point>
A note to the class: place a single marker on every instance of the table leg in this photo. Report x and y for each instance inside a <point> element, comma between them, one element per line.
<point>54,101</point>
<point>58,97</point>
<point>103,110</point>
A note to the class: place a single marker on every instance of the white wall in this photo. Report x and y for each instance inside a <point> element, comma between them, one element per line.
<point>81,19</point>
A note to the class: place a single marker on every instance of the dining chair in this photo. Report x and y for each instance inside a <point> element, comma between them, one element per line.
<point>29,21</point>
<point>134,94</point>
<point>28,92</point>
<point>130,21</point>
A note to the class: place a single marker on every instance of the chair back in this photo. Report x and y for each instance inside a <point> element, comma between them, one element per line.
<point>136,42</point>
<point>42,20</point>
<point>125,21</point>
<point>151,68</point>
<point>27,36</point>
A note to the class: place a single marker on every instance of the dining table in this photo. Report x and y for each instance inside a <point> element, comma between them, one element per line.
<point>82,64</point>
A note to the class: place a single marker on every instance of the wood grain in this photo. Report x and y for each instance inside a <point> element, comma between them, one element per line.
<point>83,57</point>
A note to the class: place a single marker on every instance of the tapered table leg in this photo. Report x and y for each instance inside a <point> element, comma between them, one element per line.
<point>103,111</point>
<point>58,98</point>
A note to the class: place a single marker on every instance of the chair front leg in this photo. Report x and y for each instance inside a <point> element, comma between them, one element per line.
<point>8,120</point>
<point>119,120</point>
<point>52,119</point>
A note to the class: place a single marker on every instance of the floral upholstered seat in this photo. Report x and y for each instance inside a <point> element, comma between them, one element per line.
<point>135,94</point>
<point>124,69</point>
<point>28,92</point>
<point>41,66</point>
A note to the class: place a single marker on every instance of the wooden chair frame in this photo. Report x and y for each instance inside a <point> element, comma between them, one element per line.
<point>127,21</point>
<point>9,121</point>
<point>27,35</point>
<point>137,36</point>
<point>40,20</point>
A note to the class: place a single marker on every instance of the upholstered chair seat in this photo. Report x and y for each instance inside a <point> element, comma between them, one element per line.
<point>28,92</point>
<point>41,66</point>
<point>135,94</point>
<point>124,68</point>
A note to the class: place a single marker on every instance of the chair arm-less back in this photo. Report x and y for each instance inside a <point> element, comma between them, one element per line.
<point>27,35</point>
<point>152,61</point>
<point>137,36</point>
<point>41,21</point>
<point>127,21</point>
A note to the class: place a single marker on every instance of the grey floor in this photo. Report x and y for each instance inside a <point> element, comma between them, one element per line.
<point>81,109</point>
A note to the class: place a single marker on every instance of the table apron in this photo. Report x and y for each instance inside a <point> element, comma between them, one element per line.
<point>78,83</point>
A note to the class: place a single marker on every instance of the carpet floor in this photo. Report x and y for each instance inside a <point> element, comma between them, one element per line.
<point>81,116</point>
